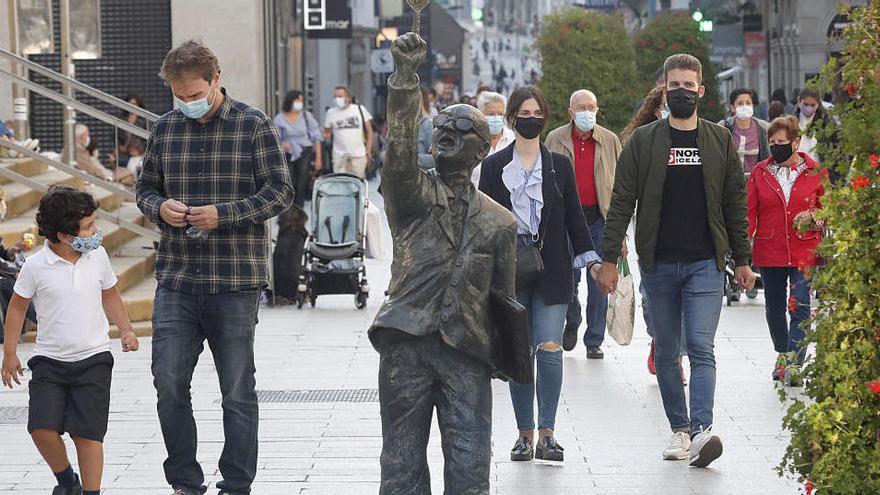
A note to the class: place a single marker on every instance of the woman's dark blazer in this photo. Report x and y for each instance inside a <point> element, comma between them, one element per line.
<point>561,216</point>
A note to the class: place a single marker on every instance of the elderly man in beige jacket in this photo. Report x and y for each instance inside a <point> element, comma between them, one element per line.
<point>593,150</point>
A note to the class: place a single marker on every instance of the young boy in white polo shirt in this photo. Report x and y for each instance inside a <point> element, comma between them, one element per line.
<point>72,286</point>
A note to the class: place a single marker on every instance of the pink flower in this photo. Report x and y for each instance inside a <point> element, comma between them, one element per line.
<point>792,304</point>
<point>874,386</point>
<point>875,161</point>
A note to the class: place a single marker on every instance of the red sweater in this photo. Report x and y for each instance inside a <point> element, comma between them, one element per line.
<point>584,167</point>
<point>771,221</point>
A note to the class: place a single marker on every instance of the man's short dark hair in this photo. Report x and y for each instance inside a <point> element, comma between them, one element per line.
<point>520,96</point>
<point>192,57</point>
<point>289,98</point>
<point>60,211</point>
<point>743,91</point>
<point>343,88</point>
<point>683,61</point>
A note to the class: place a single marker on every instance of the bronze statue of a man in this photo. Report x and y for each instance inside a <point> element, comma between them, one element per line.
<point>453,247</point>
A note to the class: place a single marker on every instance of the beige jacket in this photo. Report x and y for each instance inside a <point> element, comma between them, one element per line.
<point>607,151</point>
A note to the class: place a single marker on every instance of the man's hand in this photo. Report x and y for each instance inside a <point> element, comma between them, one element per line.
<point>129,341</point>
<point>608,277</point>
<point>203,217</point>
<point>11,370</point>
<point>173,213</point>
<point>409,52</point>
<point>745,277</point>
<point>624,249</point>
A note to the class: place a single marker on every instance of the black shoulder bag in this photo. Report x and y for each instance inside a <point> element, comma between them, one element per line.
<point>529,264</point>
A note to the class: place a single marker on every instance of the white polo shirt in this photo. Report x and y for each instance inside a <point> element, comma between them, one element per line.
<point>72,325</point>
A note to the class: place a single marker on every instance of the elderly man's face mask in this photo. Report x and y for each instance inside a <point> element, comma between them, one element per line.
<point>460,140</point>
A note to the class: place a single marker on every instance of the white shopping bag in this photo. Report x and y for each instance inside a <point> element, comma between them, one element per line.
<point>622,306</point>
<point>375,235</point>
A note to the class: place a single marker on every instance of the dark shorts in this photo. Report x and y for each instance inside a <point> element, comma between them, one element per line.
<point>70,397</point>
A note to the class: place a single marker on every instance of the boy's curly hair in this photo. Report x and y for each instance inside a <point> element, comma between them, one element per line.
<point>61,209</point>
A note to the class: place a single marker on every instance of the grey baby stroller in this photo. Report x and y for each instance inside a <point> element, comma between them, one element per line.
<point>333,261</point>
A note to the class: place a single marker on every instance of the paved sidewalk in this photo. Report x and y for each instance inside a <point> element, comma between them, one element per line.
<point>610,419</point>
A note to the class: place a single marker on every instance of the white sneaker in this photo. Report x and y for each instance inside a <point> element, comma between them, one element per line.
<point>705,448</point>
<point>678,447</point>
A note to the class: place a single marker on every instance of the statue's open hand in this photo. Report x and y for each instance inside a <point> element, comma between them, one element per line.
<point>409,52</point>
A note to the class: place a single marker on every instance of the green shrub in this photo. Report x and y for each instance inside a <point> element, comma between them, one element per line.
<point>835,443</point>
<point>667,35</point>
<point>583,49</point>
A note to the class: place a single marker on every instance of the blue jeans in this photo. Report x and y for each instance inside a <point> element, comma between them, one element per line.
<point>546,325</point>
<point>597,301</point>
<point>646,314</point>
<point>687,293</point>
<point>786,335</point>
<point>181,324</point>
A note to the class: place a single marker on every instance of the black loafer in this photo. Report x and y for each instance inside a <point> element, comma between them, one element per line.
<point>595,352</point>
<point>569,337</point>
<point>522,450</point>
<point>549,450</point>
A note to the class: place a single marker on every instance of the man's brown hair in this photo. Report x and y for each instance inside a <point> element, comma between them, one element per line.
<point>683,61</point>
<point>191,57</point>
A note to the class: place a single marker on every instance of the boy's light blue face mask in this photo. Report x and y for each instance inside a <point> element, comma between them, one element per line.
<point>87,244</point>
<point>196,109</point>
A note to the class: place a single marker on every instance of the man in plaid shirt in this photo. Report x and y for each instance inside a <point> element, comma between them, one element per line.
<point>214,171</point>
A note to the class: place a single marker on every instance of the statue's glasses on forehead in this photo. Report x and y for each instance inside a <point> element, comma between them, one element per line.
<point>460,123</point>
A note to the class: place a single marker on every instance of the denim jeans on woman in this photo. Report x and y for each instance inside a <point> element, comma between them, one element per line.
<point>688,294</point>
<point>546,323</point>
<point>181,324</point>
<point>778,281</point>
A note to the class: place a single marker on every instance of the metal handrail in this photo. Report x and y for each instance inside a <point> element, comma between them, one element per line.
<point>81,87</point>
<point>79,174</point>
<point>73,103</point>
<point>116,219</point>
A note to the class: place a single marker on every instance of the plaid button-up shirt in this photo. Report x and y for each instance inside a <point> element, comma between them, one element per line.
<point>234,161</point>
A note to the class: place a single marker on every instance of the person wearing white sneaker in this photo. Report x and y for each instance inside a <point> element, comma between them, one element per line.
<point>691,216</point>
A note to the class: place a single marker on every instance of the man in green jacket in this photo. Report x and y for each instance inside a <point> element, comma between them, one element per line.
<point>684,176</point>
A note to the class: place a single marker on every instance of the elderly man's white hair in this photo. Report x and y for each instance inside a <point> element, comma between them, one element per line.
<point>79,130</point>
<point>582,92</point>
<point>487,97</point>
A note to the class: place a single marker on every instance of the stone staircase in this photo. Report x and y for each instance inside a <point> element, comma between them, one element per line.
<point>132,257</point>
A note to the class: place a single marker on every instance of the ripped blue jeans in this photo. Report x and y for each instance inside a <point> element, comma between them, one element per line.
<point>546,323</point>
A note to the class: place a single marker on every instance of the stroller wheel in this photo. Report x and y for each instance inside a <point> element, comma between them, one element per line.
<point>360,300</point>
<point>300,300</point>
<point>313,300</point>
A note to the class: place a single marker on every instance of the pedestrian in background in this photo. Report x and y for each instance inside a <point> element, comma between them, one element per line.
<point>539,187</point>
<point>348,123</point>
<point>690,216</point>
<point>493,106</point>
<point>749,132</point>
<point>214,172</point>
<point>784,195</point>
<point>593,150</point>
<point>426,130</point>
<point>301,139</point>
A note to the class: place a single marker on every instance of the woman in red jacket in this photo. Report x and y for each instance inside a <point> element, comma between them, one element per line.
<point>783,197</point>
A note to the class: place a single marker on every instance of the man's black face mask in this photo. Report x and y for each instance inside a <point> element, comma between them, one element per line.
<point>458,142</point>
